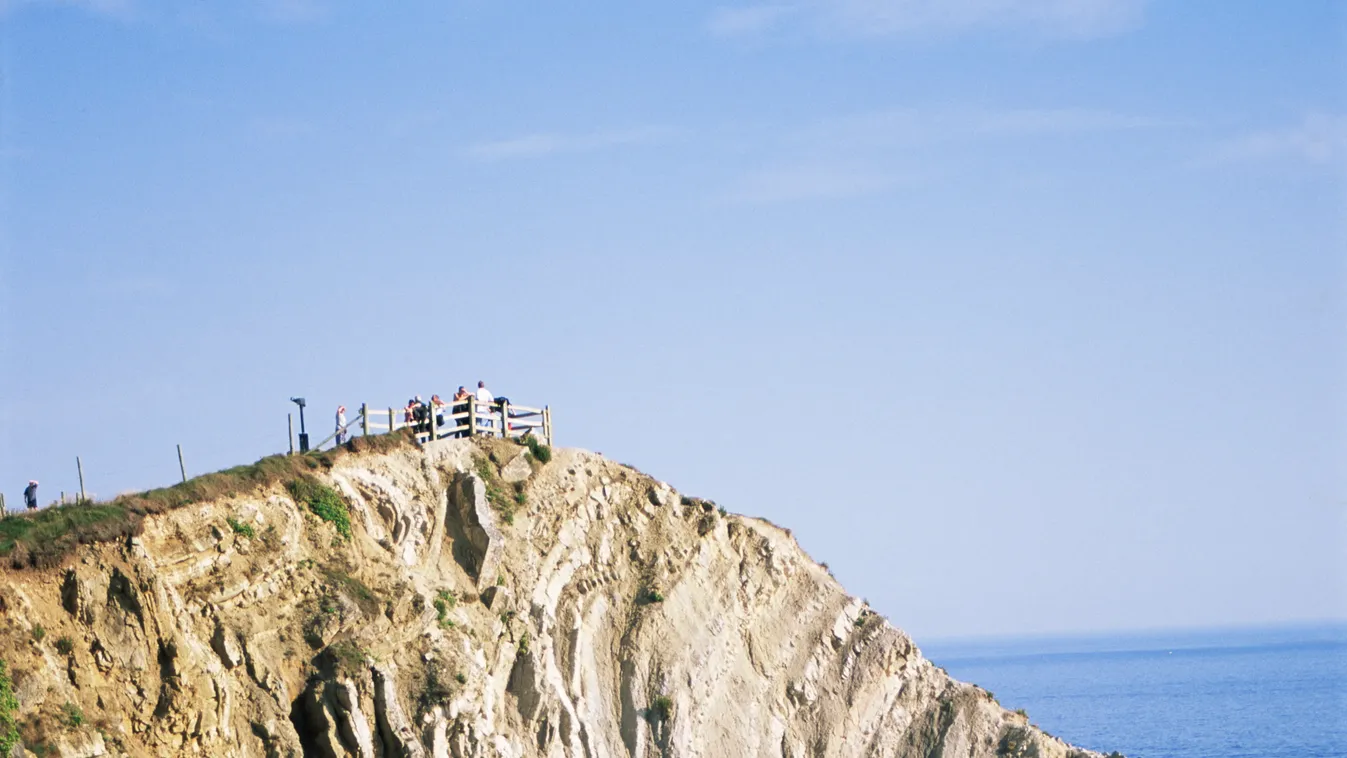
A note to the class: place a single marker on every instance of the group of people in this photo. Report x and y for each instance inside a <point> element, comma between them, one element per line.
<point>418,413</point>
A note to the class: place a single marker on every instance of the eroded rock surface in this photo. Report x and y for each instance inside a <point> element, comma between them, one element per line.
<point>620,619</point>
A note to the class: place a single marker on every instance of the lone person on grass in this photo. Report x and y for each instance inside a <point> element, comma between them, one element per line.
<point>30,495</point>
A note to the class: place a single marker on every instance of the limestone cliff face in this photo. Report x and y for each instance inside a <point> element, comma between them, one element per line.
<point>609,617</point>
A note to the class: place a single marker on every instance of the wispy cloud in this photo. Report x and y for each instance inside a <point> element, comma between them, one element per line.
<point>910,126</point>
<point>113,8</point>
<point>280,128</point>
<point>13,153</point>
<point>132,285</point>
<point>1066,19</point>
<point>808,181</point>
<point>192,14</point>
<point>1317,139</point>
<point>539,145</point>
<point>292,11</point>
<point>731,22</point>
<point>874,152</point>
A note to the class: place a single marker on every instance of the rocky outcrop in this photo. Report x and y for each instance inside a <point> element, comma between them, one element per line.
<point>605,616</point>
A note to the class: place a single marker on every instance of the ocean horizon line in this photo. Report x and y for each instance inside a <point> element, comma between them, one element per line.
<point>1138,641</point>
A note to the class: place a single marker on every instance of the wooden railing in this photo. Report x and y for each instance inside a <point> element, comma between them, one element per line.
<point>464,418</point>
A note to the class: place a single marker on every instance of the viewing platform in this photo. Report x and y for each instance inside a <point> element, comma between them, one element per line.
<point>437,421</point>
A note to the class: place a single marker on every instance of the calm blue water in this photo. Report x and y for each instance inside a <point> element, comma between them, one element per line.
<point>1279,693</point>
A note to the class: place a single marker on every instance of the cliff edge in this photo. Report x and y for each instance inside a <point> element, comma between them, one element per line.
<point>469,598</point>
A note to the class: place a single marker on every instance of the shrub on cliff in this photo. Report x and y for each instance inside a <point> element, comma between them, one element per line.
<point>9,709</point>
<point>661,709</point>
<point>325,502</point>
<point>495,489</point>
<point>540,452</point>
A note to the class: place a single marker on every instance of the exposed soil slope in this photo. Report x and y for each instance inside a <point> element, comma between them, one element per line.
<point>480,607</point>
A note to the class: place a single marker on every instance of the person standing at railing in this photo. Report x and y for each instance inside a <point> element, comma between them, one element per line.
<point>30,495</point>
<point>485,403</point>
<point>461,400</point>
<point>342,434</point>
<point>437,407</point>
<point>421,415</point>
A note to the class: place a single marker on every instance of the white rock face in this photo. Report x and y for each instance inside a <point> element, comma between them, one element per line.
<point>623,621</point>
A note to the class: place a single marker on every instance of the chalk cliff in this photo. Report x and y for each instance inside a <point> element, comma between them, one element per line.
<point>484,604</point>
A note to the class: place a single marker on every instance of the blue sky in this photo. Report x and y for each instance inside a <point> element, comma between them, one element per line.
<point>1024,316</point>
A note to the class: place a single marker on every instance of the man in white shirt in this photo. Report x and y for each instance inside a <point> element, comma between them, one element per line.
<point>485,405</point>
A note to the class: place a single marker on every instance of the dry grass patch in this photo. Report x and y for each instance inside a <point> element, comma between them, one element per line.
<point>44,538</point>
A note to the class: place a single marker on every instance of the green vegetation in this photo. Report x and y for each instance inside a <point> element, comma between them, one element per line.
<point>325,502</point>
<point>524,642</point>
<point>65,646</point>
<point>437,689</point>
<point>460,678</point>
<point>42,539</point>
<point>240,528</point>
<point>540,452</point>
<point>445,602</point>
<point>359,593</point>
<point>347,657</point>
<point>71,715</point>
<point>1021,712</point>
<point>495,491</point>
<point>1013,742</point>
<point>722,511</point>
<point>9,709</point>
<point>661,709</point>
<point>651,596</point>
<point>39,632</point>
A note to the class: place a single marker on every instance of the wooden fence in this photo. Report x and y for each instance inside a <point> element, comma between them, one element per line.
<point>463,418</point>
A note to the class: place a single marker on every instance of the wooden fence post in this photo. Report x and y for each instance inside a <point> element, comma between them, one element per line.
<point>390,421</point>
<point>181,466</point>
<point>3,511</point>
<point>290,422</point>
<point>472,415</point>
<point>364,420</point>
<point>505,419</point>
<point>547,424</point>
<point>434,425</point>
<point>79,466</point>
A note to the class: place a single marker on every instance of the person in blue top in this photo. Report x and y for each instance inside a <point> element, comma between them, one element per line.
<point>30,495</point>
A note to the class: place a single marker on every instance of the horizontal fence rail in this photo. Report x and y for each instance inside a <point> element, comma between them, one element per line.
<point>453,419</point>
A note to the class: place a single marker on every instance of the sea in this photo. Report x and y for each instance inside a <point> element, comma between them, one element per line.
<point>1233,693</point>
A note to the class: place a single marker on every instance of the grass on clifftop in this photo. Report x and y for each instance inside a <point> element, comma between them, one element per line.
<point>43,539</point>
